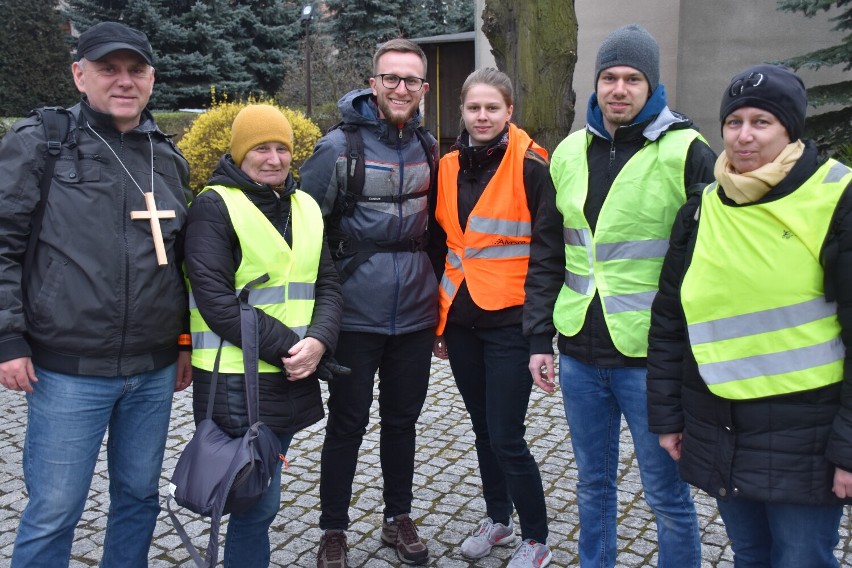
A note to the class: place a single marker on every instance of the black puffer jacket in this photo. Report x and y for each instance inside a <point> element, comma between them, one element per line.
<point>606,158</point>
<point>780,449</point>
<point>212,256</point>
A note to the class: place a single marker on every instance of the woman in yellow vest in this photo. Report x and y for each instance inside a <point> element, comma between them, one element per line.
<point>749,370</point>
<point>251,221</point>
<point>495,205</point>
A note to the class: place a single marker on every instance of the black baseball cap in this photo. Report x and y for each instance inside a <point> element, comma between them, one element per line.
<point>102,39</point>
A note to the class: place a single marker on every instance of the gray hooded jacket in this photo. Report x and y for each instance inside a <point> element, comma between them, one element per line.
<point>391,293</point>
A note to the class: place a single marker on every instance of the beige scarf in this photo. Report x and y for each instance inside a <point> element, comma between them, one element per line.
<point>751,186</point>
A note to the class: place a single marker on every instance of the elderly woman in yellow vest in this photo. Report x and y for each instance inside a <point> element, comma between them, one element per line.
<point>748,368</point>
<point>250,221</point>
<point>495,206</point>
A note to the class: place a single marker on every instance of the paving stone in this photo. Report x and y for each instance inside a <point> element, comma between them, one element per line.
<point>448,504</point>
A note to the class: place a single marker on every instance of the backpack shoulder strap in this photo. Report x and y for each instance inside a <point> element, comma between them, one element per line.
<point>57,124</point>
<point>355,168</point>
<point>432,196</point>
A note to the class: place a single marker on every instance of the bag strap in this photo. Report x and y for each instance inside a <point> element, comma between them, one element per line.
<point>187,542</point>
<point>251,349</point>
<point>251,353</point>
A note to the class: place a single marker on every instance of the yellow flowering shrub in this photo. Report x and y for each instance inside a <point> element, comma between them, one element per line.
<point>210,136</point>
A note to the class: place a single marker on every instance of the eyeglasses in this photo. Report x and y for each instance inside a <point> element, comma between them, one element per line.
<point>391,81</point>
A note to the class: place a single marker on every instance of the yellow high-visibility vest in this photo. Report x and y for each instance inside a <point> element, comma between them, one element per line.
<point>753,295</point>
<point>623,258</point>
<point>288,295</point>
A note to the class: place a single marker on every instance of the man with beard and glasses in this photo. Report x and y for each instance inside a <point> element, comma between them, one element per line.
<point>373,179</point>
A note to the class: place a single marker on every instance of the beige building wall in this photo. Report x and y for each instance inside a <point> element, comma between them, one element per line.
<point>720,38</point>
<point>702,44</point>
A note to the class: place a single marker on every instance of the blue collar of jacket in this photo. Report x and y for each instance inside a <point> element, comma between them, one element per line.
<point>656,105</point>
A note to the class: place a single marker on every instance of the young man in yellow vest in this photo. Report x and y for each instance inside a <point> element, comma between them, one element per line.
<point>619,184</point>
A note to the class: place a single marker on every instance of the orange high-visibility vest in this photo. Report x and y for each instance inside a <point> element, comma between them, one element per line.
<point>492,253</point>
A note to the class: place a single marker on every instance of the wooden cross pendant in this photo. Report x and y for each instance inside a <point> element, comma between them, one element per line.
<point>155,215</point>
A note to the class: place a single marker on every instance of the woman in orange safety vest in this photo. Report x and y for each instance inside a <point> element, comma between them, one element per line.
<point>496,208</point>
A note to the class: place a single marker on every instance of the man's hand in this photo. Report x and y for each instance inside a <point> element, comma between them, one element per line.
<point>304,358</point>
<point>439,348</point>
<point>541,369</point>
<point>842,483</point>
<point>18,374</point>
<point>672,444</point>
<point>183,376</point>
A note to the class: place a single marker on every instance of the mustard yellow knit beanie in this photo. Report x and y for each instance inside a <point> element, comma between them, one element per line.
<point>256,124</point>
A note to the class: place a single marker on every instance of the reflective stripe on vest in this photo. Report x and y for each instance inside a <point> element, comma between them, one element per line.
<point>771,333</point>
<point>621,261</point>
<point>492,253</point>
<point>287,296</point>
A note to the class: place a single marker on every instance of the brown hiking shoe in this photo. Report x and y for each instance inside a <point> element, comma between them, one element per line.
<point>332,550</point>
<point>401,533</point>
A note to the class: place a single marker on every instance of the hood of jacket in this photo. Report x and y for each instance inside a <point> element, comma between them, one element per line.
<point>359,107</point>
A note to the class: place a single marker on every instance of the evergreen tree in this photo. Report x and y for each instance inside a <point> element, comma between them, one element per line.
<point>833,129</point>
<point>360,25</point>
<point>236,46</point>
<point>35,69</point>
<point>436,17</point>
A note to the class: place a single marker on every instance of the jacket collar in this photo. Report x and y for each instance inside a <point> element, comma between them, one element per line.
<point>655,107</point>
<point>103,122</point>
<point>228,174</point>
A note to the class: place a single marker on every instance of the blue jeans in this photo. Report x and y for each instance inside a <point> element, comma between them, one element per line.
<point>779,535</point>
<point>247,541</point>
<point>490,368</point>
<point>67,418</point>
<point>595,399</point>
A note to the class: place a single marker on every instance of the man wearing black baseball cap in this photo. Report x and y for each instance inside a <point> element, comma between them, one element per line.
<point>92,303</point>
<point>114,72</point>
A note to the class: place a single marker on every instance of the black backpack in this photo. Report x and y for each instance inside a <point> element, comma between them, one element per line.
<point>59,129</point>
<point>217,474</point>
<point>341,244</point>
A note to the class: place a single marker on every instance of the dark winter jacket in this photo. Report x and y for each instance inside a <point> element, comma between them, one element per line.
<point>213,254</point>
<point>606,157</point>
<point>97,303</point>
<point>779,449</point>
<point>392,292</point>
<point>477,165</point>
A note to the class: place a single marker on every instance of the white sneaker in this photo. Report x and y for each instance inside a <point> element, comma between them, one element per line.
<point>488,535</point>
<point>531,554</point>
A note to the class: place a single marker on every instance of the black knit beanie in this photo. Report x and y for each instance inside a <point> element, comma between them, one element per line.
<point>633,46</point>
<point>773,88</point>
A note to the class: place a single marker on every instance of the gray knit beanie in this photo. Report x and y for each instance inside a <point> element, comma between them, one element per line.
<point>633,46</point>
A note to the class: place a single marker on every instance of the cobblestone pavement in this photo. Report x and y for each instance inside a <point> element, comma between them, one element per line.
<point>447,503</point>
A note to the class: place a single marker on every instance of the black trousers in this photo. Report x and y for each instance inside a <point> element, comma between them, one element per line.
<point>490,368</point>
<point>403,363</point>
